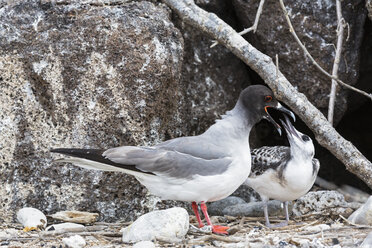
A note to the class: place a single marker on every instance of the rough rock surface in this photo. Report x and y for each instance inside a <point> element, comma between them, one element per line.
<point>315,23</point>
<point>363,215</point>
<point>82,76</point>
<point>369,8</point>
<point>169,224</point>
<point>211,79</point>
<point>324,202</point>
<point>97,76</point>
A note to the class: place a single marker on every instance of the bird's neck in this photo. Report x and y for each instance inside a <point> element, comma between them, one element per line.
<point>235,124</point>
<point>299,155</point>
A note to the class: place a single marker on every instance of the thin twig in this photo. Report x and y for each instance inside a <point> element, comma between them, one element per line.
<point>291,29</point>
<point>277,67</point>
<point>220,238</point>
<point>336,63</point>
<point>255,24</point>
<point>253,27</point>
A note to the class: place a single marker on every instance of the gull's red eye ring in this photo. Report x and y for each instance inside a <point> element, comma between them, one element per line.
<point>268,98</point>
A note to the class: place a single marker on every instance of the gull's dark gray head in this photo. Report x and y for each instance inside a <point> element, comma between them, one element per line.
<point>256,99</point>
<point>301,144</point>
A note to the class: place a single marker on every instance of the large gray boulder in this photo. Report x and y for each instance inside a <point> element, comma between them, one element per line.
<point>98,76</point>
<point>83,76</point>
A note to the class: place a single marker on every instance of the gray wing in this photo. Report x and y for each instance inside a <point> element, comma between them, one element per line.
<point>170,163</point>
<point>268,157</point>
<point>197,146</point>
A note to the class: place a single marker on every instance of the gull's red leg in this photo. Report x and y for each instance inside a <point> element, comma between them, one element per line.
<point>196,211</point>
<point>215,229</point>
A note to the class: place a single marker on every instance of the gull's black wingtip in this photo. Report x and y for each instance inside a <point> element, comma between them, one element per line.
<point>64,150</point>
<point>55,150</point>
<point>82,153</point>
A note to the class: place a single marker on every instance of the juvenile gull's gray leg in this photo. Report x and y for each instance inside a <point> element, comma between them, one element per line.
<point>281,224</point>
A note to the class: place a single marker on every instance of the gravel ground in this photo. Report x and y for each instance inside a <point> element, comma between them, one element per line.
<point>307,231</point>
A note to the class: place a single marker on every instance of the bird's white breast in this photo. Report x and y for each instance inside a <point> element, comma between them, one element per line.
<point>297,180</point>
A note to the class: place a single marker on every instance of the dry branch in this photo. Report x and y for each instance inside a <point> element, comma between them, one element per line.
<point>340,38</point>
<point>325,134</point>
<point>254,26</point>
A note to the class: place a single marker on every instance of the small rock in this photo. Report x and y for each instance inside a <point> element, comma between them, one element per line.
<point>9,233</point>
<point>144,244</point>
<point>75,241</point>
<point>325,202</point>
<point>4,243</point>
<point>317,228</point>
<point>254,209</point>
<point>170,224</point>
<point>216,208</point>
<point>367,243</point>
<point>76,217</point>
<point>31,219</point>
<point>65,226</point>
<point>363,215</point>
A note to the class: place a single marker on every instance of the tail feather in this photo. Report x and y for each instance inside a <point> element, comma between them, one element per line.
<point>89,164</point>
<point>93,159</point>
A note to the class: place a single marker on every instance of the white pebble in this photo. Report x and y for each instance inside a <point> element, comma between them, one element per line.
<point>65,226</point>
<point>171,224</point>
<point>317,228</point>
<point>74,241</point>
<point>31,218</point>
<point>144,244</point>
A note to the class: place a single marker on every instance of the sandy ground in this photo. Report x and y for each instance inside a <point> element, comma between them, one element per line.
<point>307,231</point>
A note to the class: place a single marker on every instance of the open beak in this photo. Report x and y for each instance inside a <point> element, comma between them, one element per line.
<point>289,128</point>
<point>282,109</point>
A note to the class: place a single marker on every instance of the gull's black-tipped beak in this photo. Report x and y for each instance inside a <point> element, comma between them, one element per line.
<point>286,111</point>
<point>282,109</point>
<point>269,118</point>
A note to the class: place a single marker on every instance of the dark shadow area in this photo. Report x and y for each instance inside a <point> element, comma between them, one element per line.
<point>356,124</point>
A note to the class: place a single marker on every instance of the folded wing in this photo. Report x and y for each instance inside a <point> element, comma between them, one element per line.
<point>159,161</point>
<point>268,157</point>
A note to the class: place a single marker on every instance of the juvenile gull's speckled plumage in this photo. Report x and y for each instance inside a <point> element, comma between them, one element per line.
<point>202,168</point>
<point>284,173</point>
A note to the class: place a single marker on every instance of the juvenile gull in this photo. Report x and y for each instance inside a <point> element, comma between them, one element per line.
<point>284,173</point>
<point>197,169</point>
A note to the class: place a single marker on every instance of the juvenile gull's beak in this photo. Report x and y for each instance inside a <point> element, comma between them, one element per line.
<point>282,109</point>
<point>291,131</point>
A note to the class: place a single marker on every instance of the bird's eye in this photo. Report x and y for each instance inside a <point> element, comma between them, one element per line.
<point>268,98</point>
<point>305,138</point>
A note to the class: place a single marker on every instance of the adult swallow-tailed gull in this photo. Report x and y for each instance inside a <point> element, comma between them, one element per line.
<point>197,169</point>
<point>284,173</point>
